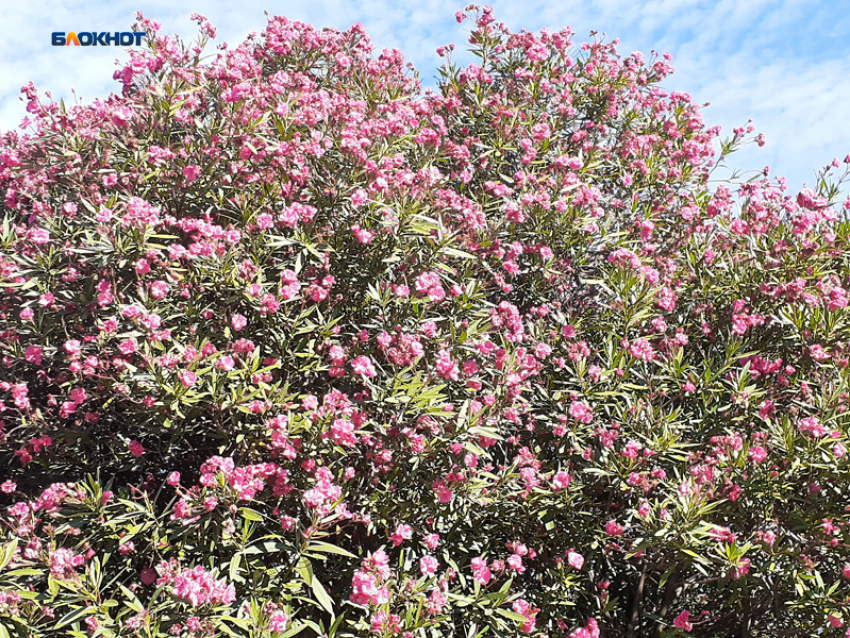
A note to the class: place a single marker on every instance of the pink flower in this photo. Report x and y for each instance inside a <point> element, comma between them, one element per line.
<point>363,236</point>
<point>444,494</point>
<point>159,289</point>
<point>199,587</point>
<point>39,236</point>
<point>681,621</point>
<point>128,346</point>
<point>641,349</point>
<point>64,562</point>
<point>136,448</point>
<point>741,569</point>
<point>289,284</point>
<point>624,258</point>
<point>33,355</point>
<point>426,281</point>
<point>813,425</point>
<point>575,559</point>
<point>810,200</point>
<point>514,562</point>
<point>342,432</point>
<point>581,412</point>
<point>358,198</point>
<point>173,479</point>
<point>363,365</point>
<point>122,115</point>
<point>191,172</point>
<point>429,329</point>
<point>238,322</point>
<point>613,528</point>
<point>480,572</point>
<point>225,363</point>
<point>402,533</point>
<point>523,608</point>
<point>364,588</point>
<point>187,378</point>
<point>431,541</point>
<point>817,352</point>
<point>561,481</point>
<point>72,347</point>
<point>382,622</point>
<point>447,367</point>
<point>590,631</point>
<point>757,454</point>
<point>428,565</point>
<point>278,621</point>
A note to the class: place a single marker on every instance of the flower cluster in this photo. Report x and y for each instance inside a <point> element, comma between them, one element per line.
<point>199,587</point>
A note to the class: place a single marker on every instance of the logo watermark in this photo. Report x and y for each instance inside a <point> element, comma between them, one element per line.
<point>95,38</point>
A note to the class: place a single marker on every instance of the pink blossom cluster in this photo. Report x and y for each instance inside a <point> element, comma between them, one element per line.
<point>367,582</point>
<point>199,587</point>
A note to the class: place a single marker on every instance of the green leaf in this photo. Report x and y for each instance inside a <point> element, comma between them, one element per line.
<point>75,615</point>
<point>335,625</point>
<point>292,631</point>
<point>52,586</point>
<point>322,597</point>
<point>666,575</point>
<point>8,553</point>
<point>319,546</point>
<point>239,622</point>
<point>234,567</point>
<point>25,571</point>
<point>251,515</point>
<point>305,569</point>
<point>133,602</point>
<point>512,615</point>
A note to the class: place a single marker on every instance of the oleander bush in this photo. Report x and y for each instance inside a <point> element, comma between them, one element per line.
<point>293,346</point>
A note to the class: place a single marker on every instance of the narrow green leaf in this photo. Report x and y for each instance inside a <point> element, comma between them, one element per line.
<point>251,515</point>
<point>322,597</point>
<point>319,546</point>
<point>75,615</point>
<point>511,614</point>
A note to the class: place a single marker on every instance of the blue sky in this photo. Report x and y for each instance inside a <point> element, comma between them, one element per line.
<point>783,63</point>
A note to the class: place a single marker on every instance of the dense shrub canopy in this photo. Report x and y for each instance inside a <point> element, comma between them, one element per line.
<point>293,346</point>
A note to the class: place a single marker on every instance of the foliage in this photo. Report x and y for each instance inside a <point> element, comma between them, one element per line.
<point>291,346</point>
